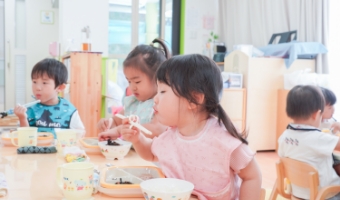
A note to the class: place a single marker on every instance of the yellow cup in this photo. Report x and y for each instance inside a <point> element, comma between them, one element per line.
<point>75,180</point>
<point>66,138</point>
<point>27,136</point>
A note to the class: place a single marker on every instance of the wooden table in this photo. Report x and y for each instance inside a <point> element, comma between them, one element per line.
<point>33,176</point>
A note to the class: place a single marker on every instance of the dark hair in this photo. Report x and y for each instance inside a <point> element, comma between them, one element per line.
<point>189,74</point>
<point>148,58</point>
<point>330,98</point>
<point>303,101</point>
<point>53,68</point>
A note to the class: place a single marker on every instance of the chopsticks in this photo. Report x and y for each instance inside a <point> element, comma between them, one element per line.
<point>134,124</point>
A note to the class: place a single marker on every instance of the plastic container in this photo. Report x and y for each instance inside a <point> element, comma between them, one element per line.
<point>109,177</point>
<point>90,145</point>
<point>44,139</point>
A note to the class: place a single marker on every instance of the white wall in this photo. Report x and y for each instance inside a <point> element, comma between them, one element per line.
<point>334,51</point>
<point>38,37</point>
<point>76,14</point>
<point>196,35</point>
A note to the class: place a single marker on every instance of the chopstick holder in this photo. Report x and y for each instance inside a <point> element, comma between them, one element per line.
<point>3,185</point>
<point>35,149</point>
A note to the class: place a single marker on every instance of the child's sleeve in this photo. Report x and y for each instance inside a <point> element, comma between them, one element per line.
<point>31,117</point>
<point>241,157</point>
<point>326,144</point>
<point>76,122</point>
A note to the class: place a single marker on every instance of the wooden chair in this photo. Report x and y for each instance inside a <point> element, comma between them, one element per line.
<point>302,175</point>
<point>263,194</point>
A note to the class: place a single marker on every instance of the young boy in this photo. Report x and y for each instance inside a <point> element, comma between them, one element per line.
<point>303,140</point>
<point>328,122</point>
<point>49,77</point>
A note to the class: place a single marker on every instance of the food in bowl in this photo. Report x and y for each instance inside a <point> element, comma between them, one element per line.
<point>167,188</point>
<point>112,143</point>
<point>115,152</point>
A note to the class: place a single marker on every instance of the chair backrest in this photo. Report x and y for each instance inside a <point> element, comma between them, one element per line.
<point>284,37</point>
<point>298,173</point>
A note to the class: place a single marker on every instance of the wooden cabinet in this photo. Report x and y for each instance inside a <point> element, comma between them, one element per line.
<point>282,119</point>
<point>234,104</point>
<point>85,87</point>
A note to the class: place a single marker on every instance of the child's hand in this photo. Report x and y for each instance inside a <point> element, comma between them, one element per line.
<point>20,111</point>
<point>104,124</point>
<point>111,134</point>
<point>129,134</point>
<point>335,127</point>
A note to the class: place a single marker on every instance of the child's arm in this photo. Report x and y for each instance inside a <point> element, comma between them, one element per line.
<point>251,181</point>
<point>20,112</point>
<point>140,143</point>
<point>108,123</point>
<point>335,127</point>
<point>111,134</point>
<point>155,127</point>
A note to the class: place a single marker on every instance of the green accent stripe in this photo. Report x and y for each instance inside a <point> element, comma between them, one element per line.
<point>104,81</point>
<point>182,27</point>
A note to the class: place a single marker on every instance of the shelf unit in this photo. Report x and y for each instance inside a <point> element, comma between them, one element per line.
<point>85,87</point>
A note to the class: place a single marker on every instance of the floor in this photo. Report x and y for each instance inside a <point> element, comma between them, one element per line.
<point>266,161</point>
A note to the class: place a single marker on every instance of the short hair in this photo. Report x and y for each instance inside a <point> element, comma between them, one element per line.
<point>53,68</point>
<point>330,98</point>
<point>303,101</point>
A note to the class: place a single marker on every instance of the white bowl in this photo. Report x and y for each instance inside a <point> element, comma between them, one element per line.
<point>112,152</point>
<point>167,188</point>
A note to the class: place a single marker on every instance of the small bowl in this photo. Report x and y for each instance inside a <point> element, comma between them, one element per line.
<point>115,152</point>
<point>167,188</point>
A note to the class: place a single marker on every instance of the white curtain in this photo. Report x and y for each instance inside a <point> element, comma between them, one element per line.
<point>254,22</point>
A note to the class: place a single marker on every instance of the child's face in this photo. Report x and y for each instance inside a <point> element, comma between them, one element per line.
<point>328,112</point>
<point>44,89</point>
<point>140,84</point>
<point>168,106</point>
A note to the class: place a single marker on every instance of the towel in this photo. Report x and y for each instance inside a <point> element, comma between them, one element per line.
<point>3,185</point>
<point>34,149</point>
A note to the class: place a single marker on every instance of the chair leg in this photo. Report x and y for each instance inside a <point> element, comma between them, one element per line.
<point>274,193</point>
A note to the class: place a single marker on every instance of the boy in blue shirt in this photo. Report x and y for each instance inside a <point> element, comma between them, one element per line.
<point>49,77</point>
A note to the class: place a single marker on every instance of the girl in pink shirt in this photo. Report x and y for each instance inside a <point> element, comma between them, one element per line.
<point>202,146</point>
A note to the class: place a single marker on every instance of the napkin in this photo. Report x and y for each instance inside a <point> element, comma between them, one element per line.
<point>3,185</point>
<point>35,149</point>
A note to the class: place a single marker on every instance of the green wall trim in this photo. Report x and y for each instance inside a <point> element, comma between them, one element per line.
<point>104,81</point>
<point>182,31</point>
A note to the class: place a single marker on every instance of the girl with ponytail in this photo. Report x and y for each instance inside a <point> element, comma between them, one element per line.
<point>140,68</point>
<point>202,145</point>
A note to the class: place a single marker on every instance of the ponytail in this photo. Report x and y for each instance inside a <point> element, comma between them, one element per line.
<point>223,117</point>
<point>164,47</point>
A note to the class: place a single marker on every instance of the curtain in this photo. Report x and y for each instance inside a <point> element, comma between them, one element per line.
<point>254,22</point>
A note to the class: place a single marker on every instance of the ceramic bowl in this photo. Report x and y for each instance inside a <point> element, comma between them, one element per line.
<point>166,188</point>
<point>115,152</point>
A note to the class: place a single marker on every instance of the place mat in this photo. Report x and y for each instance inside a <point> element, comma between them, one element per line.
<point>35,149</point>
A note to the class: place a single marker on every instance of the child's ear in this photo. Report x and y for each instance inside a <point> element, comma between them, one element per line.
<point>199,99</point>
<point>316,114</point>
<point>61,87</point>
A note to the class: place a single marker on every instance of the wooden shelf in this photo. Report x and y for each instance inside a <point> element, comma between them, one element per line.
<point>85,87</point>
